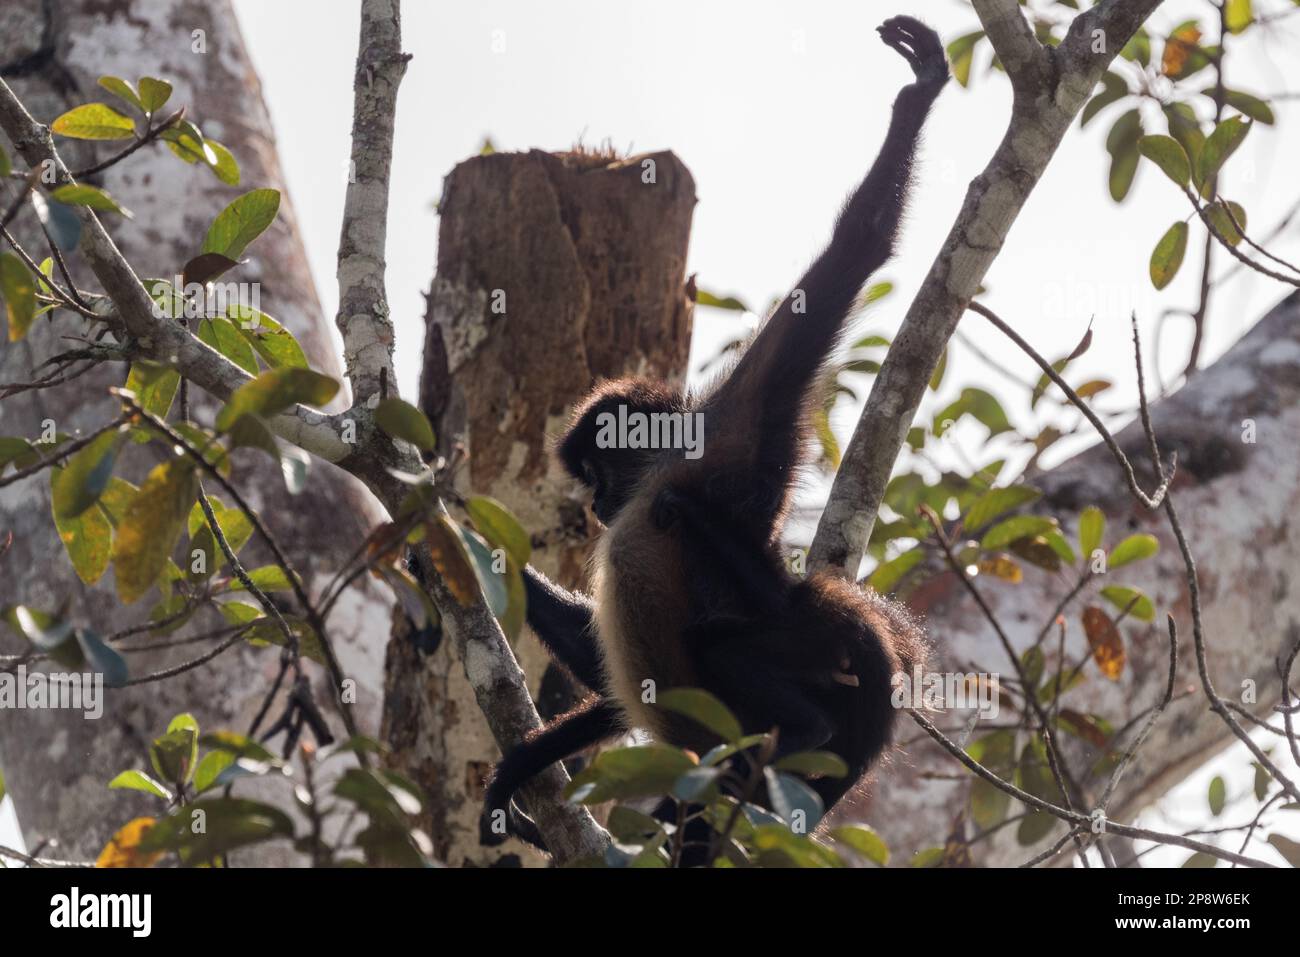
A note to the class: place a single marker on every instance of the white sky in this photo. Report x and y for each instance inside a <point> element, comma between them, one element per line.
<point>777,109</point>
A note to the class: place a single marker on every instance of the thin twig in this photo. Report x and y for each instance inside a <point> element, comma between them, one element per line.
<point>1149,501</point>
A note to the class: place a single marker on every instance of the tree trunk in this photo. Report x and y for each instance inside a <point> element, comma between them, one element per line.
<point>57,764</point>
<point>1233,427</point>
<point>553,271</point>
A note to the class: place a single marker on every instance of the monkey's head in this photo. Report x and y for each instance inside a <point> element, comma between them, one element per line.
<point>600,448</point>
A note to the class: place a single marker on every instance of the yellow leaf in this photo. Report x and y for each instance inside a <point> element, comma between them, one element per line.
<point>1105,641</point>
<point>123,848</point>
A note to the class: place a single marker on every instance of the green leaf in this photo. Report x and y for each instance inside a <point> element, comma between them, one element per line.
<point>121,88</point>
<point>229,823</point>
<point>266,631</point>
<point>224,166</point>
<point>6,167</point>
<point>1032,662</point>
<point>1167,257</point>
<point>1220,145</point>
<point>1168,154</point>
<point>814,764</point>
<point>1263,781</point>
<point>936,377</point>
<point>996,501</point>
<point>889,574</point>
<point>18,287</point>
<point>1288,848</point>
<point>961,53</point>
<point>863,840</point>
<point>1185,127</point>
<point>704,709</point>
<point>402,420</point>
<point>988,804</point>
<point>705,298</point>
<point>1121,143</point>
<point>267,578</point>
<point>1218,795</point>
<point>43,630</point>
<point>151,525</point>
<point>274,391</point>
<point>1121,596</point>
<point>1133,549</point>
<point>495,523</point>
<point>1015,528</point>
<point>154,93</point>
<point>154,387</point>
<point>980,405</point>
<point>1034,826</point>
<point>1114,88</point>
<point>1092,525</point>
<point>241,222</point>
<point>224,337</point>
<point>790,796</point>
<point>1237,15</point>
<point>85,476</point>
<point>139,781</point>
<point>92,197</point>
<point>88,539</point>
<point>1227,225</point>
<point>274,343</point>
<point>210,768</point>
<point>627,773</point>
<point>94,121</point>
<point>1201,859</point>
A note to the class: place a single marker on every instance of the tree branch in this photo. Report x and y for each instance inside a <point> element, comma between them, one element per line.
<point>1024,58</point>
<point>363,318</point>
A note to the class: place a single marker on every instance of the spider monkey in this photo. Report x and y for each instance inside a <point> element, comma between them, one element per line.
<point>689,589</point>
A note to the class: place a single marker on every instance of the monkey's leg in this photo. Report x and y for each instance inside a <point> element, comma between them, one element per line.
<point>563,621</point>
<point>595,720</point>
<point>762,694</point>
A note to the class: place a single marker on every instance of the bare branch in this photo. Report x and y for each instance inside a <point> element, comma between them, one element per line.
<point>1025,59</point>
<point>363,318</point>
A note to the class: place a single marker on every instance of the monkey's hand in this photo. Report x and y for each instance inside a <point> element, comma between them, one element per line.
<point>919,46</point>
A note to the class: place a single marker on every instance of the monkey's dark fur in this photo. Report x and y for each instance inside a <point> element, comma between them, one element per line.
<point>689,589</point>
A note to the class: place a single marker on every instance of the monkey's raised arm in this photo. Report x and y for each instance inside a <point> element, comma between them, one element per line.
<point>759,408</point>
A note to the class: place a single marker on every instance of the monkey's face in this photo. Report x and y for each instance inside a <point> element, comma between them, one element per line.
<point>598,449</point>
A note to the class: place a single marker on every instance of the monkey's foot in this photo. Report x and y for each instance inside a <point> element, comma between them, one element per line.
<point>918,45</point>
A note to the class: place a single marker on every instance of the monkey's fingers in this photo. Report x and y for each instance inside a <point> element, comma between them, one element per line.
<point>918,44</point>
